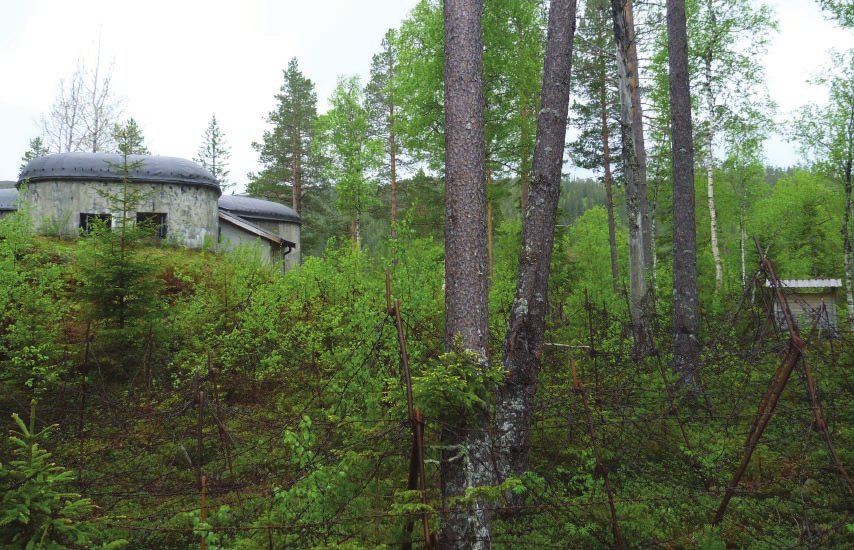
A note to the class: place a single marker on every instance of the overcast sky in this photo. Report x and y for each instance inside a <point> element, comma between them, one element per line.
<point>179,62</point>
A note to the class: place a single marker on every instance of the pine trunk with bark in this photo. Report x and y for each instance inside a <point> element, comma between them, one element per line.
<point>847,248</point>
<point>523,344</point>
<point>466,460</point>
<point>686,345</point>
<point>634,160</point>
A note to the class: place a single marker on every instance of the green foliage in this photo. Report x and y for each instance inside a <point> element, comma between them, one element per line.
<point>32,307</point>
<point>117,275</point>
<point>285,150</point>
<point>34,512</point>
<point>214,153</point>
<point>594,94</point>
<point>840,10</point>
<point>795,225</point>
<point>457,386</point>
<point>37,149</point>
<point>353,154</point>
<point>129,139</point>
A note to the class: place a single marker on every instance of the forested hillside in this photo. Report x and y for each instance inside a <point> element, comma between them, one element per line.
<point>405,388</point>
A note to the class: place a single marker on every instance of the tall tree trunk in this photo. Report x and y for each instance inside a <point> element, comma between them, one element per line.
<point>296,165</point>
<point>392,153</point>
<point>523,344</point>
<point>489,228</point>
<point>710,169</point>
<point>742,228</point>
<point>686,345</point>
<point>524,152</point>
<point>634,159</point>
<point>466,460</point>
<point>847,246</point>
<point>606,164</point>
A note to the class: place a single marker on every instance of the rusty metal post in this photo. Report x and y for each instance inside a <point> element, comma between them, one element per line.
<point>200,439</point>
<point>204,511</point>
<point>778,382</point>
<point>416,461</point>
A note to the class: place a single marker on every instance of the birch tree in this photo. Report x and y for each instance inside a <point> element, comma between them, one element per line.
<point>354,155</point>
<point>825,135</point>
<point>732,79</point>
<point>102,109</point>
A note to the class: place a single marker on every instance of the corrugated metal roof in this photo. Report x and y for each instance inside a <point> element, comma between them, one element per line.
<point>8,199</point>
<point>106,167</point>
<point>808,283</point>
<point>258,208</point>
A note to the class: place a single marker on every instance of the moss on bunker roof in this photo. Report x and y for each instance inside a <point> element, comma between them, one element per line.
<point>107,167</point>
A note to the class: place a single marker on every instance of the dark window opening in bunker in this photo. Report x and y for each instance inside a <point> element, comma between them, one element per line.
<point>154,220</point>
<point>89,221</point>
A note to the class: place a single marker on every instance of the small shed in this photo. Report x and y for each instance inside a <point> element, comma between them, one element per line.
<point>811,301</point>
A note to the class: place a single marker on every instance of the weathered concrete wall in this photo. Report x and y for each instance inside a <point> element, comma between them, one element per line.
<point>287,230</point>
<point>231,236</point>
<point>191,210</point>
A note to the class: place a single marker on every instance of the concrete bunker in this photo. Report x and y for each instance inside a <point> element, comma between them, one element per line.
<point>68,191</point>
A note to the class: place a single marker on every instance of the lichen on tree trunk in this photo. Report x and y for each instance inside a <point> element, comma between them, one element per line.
<point>523,344</point>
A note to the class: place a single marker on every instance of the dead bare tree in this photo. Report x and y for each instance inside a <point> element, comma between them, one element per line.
<point>85,110</point>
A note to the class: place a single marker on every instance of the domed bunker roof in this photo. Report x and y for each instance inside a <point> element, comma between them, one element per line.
<point>107,167</point>
<point>8,199</point>
<point>257,208</point>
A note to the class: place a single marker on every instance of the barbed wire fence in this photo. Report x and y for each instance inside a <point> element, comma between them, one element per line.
<point>619,457</point>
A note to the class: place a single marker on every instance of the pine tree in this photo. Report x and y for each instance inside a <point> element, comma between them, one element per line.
<point>686,317</point>
<point>285,150</point>
<point>214,154</point>
<point>37,149</point>
<point>129,139</point>
<point>595,107</point>
<point>119,279</point>
<point>381,102</point>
